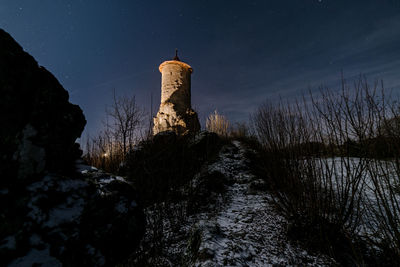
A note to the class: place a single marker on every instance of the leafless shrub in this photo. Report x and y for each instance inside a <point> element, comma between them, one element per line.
<point>218,124</point>
<point>383,181</point>
<point>123,128</point>
<point>384,207</point>
<point>101,152</point>
<point>124,121</point>
<point>239,131</point>
<point>317,157</point>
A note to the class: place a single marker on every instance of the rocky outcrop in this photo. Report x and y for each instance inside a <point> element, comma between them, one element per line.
<point>91,221</point>
<point>50,214</point>
<point>39,125</point>
<point>170,119</point>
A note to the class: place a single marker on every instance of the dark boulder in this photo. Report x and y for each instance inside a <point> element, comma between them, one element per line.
<point>94,221</point>
<point>39,126</point>
<point>51,215</point>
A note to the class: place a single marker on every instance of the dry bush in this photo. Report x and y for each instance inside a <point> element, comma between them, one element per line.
<point>161,165</point>
<point>124,121</point>
<point>103,153</point>
<point>383,203</point>
<point>383,208</point>
<point>123,128</point>
<point>307,158</point>
<point>239,131</point>
<point>318,196</point>
<point>218,124</point>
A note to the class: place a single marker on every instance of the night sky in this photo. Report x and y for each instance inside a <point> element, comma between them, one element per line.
<point>242,52</point>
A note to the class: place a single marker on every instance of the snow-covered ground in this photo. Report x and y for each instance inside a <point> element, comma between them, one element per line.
<point>375,181</point>
<point>247,231</point>
<point>240,228</point>
<point>56,206</point>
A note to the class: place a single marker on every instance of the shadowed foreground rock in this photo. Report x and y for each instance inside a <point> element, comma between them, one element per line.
<point>76,222</point>
<point>51,215</point>
<point>39,125</point>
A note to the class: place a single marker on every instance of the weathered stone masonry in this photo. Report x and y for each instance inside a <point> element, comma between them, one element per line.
<point>175,113</point>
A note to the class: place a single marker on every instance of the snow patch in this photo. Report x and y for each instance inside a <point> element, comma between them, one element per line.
<point>65,213</point>
<point>83,168</point>
<point>8,243</point>
<point>36,213</point>
<point>109,179</point>
<point>71,185</point>
<point>37,258</point>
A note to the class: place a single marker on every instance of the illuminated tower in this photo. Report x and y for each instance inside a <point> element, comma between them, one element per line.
<point>175,113</point>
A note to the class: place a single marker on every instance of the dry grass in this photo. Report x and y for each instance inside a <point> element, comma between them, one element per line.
<point>218,124</point>
<point>104,153</point>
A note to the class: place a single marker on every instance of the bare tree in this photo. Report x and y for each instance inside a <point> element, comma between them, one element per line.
<point>123,127</point>
<point>124,121</point>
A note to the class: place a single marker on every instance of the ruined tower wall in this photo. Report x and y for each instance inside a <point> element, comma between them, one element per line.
<point>175,84</point>
<point>175,112</point>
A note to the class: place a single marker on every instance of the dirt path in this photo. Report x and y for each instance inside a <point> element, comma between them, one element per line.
<point>238,227</point>
<point>247,231</point>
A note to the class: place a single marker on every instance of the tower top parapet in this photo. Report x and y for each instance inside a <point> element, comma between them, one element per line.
<point>175,61</point>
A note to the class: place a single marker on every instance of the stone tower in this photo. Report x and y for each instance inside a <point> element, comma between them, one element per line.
<point>175,113</point>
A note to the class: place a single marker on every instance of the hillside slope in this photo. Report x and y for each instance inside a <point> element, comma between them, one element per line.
<point>233,226</point>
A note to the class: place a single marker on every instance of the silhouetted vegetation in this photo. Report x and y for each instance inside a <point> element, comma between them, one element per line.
<point>159,166</point>
<point>123,128</point>
<point>162,169</point>
<point>323,163</point>
<point>239,131</point>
